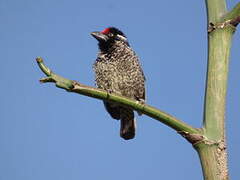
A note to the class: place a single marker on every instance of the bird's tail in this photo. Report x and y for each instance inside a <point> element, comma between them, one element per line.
<point>128,123</point>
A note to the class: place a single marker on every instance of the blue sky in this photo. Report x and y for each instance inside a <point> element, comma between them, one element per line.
<point>47,133</point>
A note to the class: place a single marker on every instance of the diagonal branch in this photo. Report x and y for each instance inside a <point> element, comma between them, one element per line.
<point>73,86</point>
<point>234,14</point>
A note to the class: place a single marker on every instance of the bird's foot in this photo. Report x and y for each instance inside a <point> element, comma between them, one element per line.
<point>141,102</point>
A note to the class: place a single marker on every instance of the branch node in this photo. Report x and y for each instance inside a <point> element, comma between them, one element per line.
<point>211,27</point>
<point>192,138</point>
<point>235,21</point>
<point>76,85</point>
<point>230,22</point>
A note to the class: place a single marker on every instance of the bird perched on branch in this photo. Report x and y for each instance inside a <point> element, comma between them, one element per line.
<point>117,70</point>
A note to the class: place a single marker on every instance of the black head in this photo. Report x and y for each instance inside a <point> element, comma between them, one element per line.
<point>109,36</point>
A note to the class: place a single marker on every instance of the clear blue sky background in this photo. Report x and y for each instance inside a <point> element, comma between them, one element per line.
<point>47,133</point>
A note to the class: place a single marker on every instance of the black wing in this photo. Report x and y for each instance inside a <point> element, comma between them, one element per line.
<point>113,110</point>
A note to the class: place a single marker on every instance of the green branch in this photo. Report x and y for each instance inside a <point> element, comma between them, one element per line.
<point>73,86</point>
<point>233,14</point>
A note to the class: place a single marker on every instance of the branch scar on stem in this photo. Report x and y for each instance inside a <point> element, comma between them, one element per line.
<point>231,22</point>
<point>192,138</point>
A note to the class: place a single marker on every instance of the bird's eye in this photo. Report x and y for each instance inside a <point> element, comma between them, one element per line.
<point>121,38</point>
<point>110,34</point>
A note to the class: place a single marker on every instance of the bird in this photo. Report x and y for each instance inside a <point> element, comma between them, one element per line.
<point>118,70</point>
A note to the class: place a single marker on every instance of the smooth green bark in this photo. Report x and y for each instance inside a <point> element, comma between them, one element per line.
<point>215,10</point>
<point>212,151</point>
<point>216,86</point>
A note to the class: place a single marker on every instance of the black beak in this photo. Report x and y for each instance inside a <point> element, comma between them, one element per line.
<point>100,36</point>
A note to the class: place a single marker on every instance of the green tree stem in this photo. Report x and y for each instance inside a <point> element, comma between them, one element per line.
<point>215,10</point>
<point>218,60</point>
<point>73,86</point>
<point>212,151</point>
<point>213,160</point>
